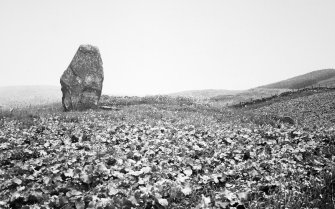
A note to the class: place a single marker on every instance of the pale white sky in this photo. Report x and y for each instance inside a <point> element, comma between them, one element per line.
<point>156,46</point>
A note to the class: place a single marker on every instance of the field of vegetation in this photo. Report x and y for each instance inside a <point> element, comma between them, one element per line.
<point>163,152</point>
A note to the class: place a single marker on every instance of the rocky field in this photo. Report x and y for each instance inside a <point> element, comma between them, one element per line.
<point>163,152</point>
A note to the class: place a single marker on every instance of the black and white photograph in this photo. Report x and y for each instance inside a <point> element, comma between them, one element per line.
<point>167,104</point>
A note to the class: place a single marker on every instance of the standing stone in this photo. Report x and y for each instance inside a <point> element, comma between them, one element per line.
<point>82,80</point>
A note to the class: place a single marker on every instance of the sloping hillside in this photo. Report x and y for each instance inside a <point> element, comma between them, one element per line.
<point>322,77</point>
<point>328,82</point>
<point>309,109</point>
<point>251,94</point>
<point>206,93</point>
<point>19,96</point>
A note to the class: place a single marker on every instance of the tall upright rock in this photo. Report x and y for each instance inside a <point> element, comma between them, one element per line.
<point>82,81</point>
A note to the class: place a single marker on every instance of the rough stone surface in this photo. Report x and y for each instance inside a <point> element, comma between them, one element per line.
<point>288,120</point>
<point>82,81</point>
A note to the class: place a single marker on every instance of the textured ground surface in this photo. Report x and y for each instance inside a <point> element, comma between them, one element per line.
<point>170,156</point>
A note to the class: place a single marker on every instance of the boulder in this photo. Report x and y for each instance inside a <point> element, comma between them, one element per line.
<point>82,81</point>
<point>288,120</point>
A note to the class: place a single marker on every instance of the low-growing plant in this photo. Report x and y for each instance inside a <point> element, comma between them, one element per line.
<point>25,118</point>
<point>69,118</point>
<point>261,120</point>
<point>320,193</point>
<point>163,152</point>
<point>134,100</point>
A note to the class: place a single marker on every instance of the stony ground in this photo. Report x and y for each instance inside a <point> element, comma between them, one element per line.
<point>170,155</point>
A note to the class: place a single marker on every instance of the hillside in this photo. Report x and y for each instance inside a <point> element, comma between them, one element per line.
<point>309,108</point>
<point>227,97</point>
<point>206,93</point>
<point>20,96</point>
<point>322,77</point>
<point>251,94</point>
<point>328,82</point>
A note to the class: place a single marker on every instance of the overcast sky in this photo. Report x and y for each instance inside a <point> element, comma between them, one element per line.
<point>156,46</point>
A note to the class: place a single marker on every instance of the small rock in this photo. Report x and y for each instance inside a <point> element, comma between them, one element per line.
<point>288,120</point>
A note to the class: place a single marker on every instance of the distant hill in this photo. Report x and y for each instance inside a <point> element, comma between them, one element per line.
<point>206,93</point>
<point>247,95</point>
<point>20,96</point>
<point>314,78</point>
<point>327,82</point>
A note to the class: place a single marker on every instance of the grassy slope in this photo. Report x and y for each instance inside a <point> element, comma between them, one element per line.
<point>328,82</point>
<point>307,108</point>
<point>306,80</point>
<point>170,155</point>
<point>227,97</point>
<point>207,93</point>
<point>245,96</point>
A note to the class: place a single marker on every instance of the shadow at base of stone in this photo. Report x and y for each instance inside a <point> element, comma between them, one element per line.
<point>111,108</point>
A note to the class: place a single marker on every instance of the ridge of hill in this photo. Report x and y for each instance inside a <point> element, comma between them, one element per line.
<point>314,78</point>
<point>281,97</point>
<point>206,93</point>
<point>245,96</point>
<point>323,78</point>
